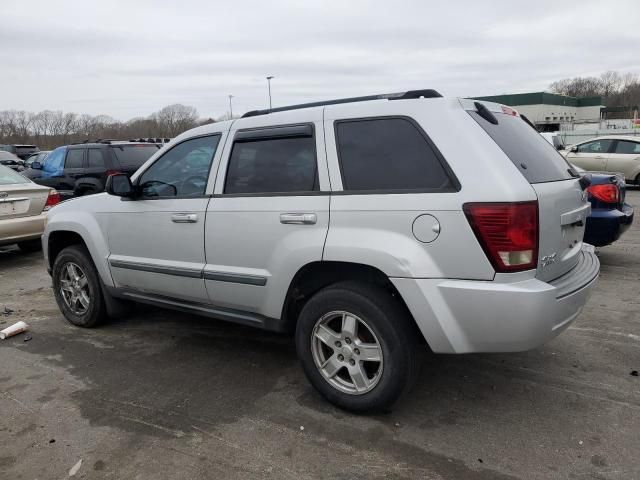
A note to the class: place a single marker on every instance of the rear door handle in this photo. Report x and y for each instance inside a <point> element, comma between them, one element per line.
<point>184,218</point>
<point>298,218</point>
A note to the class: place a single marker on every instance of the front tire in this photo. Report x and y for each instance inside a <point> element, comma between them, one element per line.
<point>357,346</point>
<point>76,286</point>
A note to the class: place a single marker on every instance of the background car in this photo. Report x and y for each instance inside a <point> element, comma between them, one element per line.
<point>615,153</point>
<point>36,157</point>
<point>20,151</point>
<point>23,207</point>
<point>82,169</point>
<point>11,161</point>
<point>610,216</point>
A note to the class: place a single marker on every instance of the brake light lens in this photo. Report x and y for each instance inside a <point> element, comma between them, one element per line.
<point>113,172</point>
<point>507,232</point>
<point>607,193</point>
<point>52,199</point>
<point>509,111</point>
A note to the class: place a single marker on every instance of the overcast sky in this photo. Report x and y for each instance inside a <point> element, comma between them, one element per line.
<point>130,58</point>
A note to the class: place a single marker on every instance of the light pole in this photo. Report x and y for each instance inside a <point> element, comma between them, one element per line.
<point>269,84</point>
<point>230,108</point>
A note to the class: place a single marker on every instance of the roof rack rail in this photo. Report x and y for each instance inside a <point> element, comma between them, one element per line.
<point>427,93</point>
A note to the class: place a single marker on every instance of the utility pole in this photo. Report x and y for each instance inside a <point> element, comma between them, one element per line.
<point>269,84</point>
<point>230,108</point>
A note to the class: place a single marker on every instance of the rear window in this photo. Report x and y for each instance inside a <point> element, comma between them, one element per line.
<point>133,156</point>
<point>9,177</point>
<point>387,154</point>
<point>536,159</point>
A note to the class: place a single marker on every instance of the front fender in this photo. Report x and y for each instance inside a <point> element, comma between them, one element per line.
<point>88,227</point>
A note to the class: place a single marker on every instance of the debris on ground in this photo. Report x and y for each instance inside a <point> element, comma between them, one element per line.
<point>75,468</point>
<point>634,373</point>
<point>27,337</point>
<point>301,428</point>
<point>14,329</point>
<point>7,311</point>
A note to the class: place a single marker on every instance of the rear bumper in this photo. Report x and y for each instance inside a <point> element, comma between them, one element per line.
<point>463,316</point>
<point>606,226</point>
<point>20,229</point>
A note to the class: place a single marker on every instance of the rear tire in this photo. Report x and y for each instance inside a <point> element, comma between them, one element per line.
<point>30,246</point>
<point>76,286</point>
<point>335,365</point>
<point>637,182</point>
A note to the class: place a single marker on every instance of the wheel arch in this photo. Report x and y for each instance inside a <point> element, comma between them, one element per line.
<point>82,229</point>
<point>315,276</point>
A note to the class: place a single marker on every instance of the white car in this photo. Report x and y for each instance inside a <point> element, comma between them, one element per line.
<point>614,153</point>
<point>369,226</point>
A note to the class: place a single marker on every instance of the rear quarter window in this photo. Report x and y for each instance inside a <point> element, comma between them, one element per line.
<point>133,156</point>
<point>532,155</point>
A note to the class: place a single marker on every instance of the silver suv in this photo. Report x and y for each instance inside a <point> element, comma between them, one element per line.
<point>372,227</point>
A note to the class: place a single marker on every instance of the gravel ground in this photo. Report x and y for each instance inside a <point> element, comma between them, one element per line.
<point>168,395</point>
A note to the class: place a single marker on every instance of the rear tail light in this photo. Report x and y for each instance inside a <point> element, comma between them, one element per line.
<point>52,199</point>
<point>507,232</point>
<point>509,111</point>
<point>113,172</point>
<point>607,193</point>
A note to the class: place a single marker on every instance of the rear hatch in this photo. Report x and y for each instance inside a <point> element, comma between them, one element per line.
<point>130,157</point>
<point>562,205</point>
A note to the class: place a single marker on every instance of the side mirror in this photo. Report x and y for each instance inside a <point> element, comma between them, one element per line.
<point>36,166</point>
<point>573,149</point>
<point>119,185</point>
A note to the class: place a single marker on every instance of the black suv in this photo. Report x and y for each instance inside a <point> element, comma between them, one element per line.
<point>21,151</point>
<point>82,169</point>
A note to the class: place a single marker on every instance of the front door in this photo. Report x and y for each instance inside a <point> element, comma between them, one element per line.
<point>157,240</point>
<point>269,215</point>
<point>591,156</point>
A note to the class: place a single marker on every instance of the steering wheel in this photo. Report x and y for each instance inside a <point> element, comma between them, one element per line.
<point>191,185</point>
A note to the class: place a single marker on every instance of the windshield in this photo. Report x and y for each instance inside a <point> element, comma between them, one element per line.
<point>133,156</point>
<point>9,177</point>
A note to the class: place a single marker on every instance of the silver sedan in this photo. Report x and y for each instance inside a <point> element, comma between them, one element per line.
<point>23,209</point>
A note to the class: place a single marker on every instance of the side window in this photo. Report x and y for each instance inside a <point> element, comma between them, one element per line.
<point>597,146</point>
<point>53,163</point>
<point>96,158</point>
<point>625,147</point>
<point>387,154</point>
<point>272,165</point>
<point>75,158</point>
<point>182,171</point>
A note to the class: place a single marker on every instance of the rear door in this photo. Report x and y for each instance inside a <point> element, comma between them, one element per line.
<point>625,159</point>
<point>591,156</point>
<point>562,205</point>
<point>270,212</point>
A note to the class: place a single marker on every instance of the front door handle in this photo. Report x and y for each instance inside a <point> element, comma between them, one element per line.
<point>184,218</point>
<point>298,218</point>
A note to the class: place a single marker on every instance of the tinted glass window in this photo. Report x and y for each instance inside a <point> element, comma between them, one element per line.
<point>182,171</point>
<point>597,146</point>
<point>532,155</point>
<point>133,156</point>
<point>96,158</point>
<point>387,154</point>
<point>74,158</point>
<point>625,147</point>
<point>272,165</point>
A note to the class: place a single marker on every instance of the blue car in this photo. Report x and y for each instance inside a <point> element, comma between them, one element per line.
<point>610,215</point>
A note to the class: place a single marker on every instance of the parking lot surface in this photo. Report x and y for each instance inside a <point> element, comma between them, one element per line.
<point>162,394</point>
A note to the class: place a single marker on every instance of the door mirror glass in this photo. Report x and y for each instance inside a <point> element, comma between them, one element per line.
<point>119,185</point>
<point>36,165</point>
